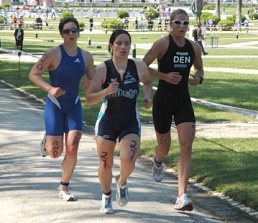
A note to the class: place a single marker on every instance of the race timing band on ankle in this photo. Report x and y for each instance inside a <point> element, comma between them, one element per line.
<point>64,184</point>
<point>107,193</point>
<point>157,161</point>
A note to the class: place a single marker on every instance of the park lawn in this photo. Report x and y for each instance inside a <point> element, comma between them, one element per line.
<point>234,63</point>
<point>232,89</point>
<point>223,165</point>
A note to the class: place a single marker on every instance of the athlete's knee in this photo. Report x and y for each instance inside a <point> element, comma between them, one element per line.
<point>72,150</point>
<point>186,148</point>
<point>128,162</point>
<point>55,153</point>
<point>105,167</point>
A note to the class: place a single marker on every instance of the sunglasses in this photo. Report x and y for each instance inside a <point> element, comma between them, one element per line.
<point>179,22</point>
<point>67,31</point>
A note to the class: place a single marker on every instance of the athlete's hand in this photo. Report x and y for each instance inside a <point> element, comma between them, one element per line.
<point>147,103</point>
<point>112,88</point>
<point>195,80</point>
<point>173,77</point>
<point>86,83</point>
<point>56,91</point>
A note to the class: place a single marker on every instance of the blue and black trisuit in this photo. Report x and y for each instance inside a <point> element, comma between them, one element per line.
<point>118,114</point>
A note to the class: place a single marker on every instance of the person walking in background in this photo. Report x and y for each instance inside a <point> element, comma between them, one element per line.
<point>118,79</point>
<point>166,24</point>
<point>91,23</point>
<point>239,24</point>
<point>160,24</point>
<point>66,64</point>
<point>200,37</point>
<point>21,21</point>
<point>126,23</point>
<point>136,23</point>
<point>141,25</point>
<point>46,22</point>
<point>11,22</point>
<point>19,35</point>
<point>38,23</point>
<point>46,12</point>
<point>211,24</point>
<point>15,21</point>
<point>149,24</point>
<point>5,22</point>
<point>53,13</point>
<point>246,24</point>
<point>175,55</point>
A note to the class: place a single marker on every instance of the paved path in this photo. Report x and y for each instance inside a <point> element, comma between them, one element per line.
<point>28,182</point>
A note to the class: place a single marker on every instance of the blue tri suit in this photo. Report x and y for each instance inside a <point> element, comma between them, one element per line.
<point>118,114</point>
<point>64,113</point>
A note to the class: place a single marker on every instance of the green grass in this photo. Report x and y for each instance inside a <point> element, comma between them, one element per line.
<point>224,165</point>
<point>246,63</point>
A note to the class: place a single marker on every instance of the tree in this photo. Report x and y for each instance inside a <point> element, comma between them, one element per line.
<point>239,10</point>
<point>217,11</point>
<point>66,14</point>
<point>151,14</point>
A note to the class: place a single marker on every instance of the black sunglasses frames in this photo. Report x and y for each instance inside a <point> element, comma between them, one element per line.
<point>67,31</point>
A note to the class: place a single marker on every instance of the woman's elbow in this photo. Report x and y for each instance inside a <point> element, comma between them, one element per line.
<point>31,77</point>
<point>88,101</point>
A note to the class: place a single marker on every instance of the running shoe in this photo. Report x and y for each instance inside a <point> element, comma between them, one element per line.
<point>65,194</point>
<point>43,150</point>
<point>122,193</point>
<point>106,204</point>
<point>157,171</point>
<point>183,203</point>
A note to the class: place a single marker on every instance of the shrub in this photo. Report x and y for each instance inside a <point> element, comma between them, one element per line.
<point>66,14</point>
<point>253,15</point>
<point>209,7</point>
<point>65,6</point>
<point>1,20</point>
<point>112,24</point>
<point>151,14</point>
<point>122,14</point>
<point>226,25</point>
<point>204,16</point>
<point>81,24</point>
<point>233,18</point>
<point>214,18</point>
<point>5,5</point>
<point>230,18</point>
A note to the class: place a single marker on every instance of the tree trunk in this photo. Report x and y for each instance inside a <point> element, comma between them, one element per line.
<point>217,11</point>
<point>239,10</point>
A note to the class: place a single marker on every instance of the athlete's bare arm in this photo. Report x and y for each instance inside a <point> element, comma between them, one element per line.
<point>94,93</point>
<point>49,61</point>
<point>157,51</point>
<point>88,60</point>
<point>197,64</point>
<point>145,78</point>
